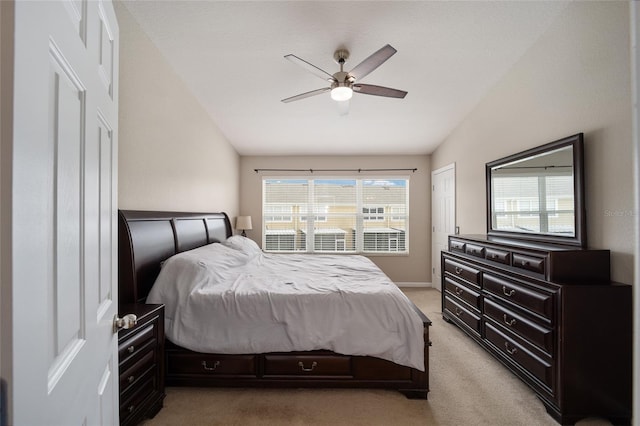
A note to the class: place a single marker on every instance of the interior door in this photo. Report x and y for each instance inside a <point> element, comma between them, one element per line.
<point>64,262</point>
<point>443,216</point>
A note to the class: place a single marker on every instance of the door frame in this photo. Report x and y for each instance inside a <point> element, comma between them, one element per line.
<point>434,206</point>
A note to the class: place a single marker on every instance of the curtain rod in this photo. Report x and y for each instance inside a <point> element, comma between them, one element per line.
<point>335,170</point>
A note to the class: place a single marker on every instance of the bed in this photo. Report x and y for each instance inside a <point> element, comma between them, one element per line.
<point>148,238</point>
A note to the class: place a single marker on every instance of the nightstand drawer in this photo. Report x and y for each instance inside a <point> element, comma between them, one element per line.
<point>134,400</point>
<point>137,342</point>
<point>129,376</point>
<point>304,366</point>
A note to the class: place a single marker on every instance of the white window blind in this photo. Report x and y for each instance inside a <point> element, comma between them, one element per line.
<point>337,215</point>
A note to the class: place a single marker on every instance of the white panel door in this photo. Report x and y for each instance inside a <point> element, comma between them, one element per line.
<point>64,280</point>
<point>443,216</point>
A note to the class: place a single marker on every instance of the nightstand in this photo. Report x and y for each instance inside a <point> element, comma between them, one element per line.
<point>141,364</point>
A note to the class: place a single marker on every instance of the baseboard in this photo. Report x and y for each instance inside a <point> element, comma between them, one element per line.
<point>414,284</point>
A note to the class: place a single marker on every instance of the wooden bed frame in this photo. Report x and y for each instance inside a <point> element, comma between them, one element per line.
<point>146,238</point>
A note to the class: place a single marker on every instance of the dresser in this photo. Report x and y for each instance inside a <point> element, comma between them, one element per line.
<point>549,314</point>
<point>141,364</point>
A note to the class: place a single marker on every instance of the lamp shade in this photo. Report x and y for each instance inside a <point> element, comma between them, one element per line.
<point>243,222</point>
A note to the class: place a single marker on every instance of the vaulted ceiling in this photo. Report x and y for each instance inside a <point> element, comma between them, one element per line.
<point>449,54</point>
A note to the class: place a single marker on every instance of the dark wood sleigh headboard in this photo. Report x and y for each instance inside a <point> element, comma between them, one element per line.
<point>147,238</point>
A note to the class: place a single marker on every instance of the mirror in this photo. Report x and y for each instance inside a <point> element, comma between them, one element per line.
<point>538,194</point>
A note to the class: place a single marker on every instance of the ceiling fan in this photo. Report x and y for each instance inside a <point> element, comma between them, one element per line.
<point>342,83</point>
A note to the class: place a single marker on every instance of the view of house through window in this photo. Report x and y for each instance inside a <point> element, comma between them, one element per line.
<point>353,215</point>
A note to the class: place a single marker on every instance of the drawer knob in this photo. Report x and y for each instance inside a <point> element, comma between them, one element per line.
<point>510,322</point>
<point>524,263</point>
<point>459,291</point>
<point>509,293</point>
<point>131,349</point>
<point>302,367</point>
<point>458,270</point>
<point>130,379</point>
<point>510,349</point>
<point>207,368</point>
<point>131,408</point>
<point>458,311</point>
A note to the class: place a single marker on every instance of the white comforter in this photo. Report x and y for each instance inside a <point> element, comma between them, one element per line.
<point>233,298</point>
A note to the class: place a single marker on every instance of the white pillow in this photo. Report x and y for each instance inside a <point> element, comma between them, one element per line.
<point>243,244</point>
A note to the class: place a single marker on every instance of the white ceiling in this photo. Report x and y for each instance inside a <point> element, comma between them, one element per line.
<point>450,53</point>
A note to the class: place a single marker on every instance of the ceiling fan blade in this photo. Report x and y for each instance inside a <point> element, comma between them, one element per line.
<point>310,67</point>
<point>370,89</point>
<point>372,62</point>
<point>306,94</point>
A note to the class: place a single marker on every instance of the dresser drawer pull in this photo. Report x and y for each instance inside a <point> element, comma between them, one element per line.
<point>131,379</point>
<point>458,311</point>
<point>459,291</point>
<point>313,366</point>
<point>131,349</point>
<point>131,408</point>
<point>511,322</point>
<point>207,368</point>
<point>507,293</point>
<point>524,263</point>
<point>458,270</point>
<point>511,350</point>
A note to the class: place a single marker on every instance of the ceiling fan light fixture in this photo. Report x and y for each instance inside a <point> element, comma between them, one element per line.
<point>341,93</point>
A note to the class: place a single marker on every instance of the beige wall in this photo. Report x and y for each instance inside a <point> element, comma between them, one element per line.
<point>575,79</point>
<point>414,268</point>
<point>172,156</point>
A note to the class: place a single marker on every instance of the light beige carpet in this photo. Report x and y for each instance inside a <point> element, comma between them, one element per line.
<point>468,387</point>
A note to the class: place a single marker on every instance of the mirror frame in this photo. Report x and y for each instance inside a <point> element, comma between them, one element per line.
<point>580,217</point>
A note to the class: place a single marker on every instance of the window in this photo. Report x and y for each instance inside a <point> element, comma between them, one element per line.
<point>337,215</point>
<point>373,213</point>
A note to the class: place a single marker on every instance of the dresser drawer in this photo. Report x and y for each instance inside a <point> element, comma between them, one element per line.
<point>529,263</point>
<point>463,292</point>
<point>536,366</point>
<point>455,245</point>
<point>532,300</point>
<point>463,271</point>
<point>199,363</point>
<point>132,374</point>
<point>474,250</point>
<point>499,256</point>
<point>466,316</point>
<point>536,334</point>
<point>304,366</point>
<point>139,341</point>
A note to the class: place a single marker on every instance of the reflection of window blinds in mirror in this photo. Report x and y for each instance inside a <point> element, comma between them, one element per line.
<point>517,208</point>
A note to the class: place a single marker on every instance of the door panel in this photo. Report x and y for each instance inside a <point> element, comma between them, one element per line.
<point>443,217</point>
<point>63,206</point>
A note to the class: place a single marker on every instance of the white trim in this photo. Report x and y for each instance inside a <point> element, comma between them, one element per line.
<point>414,284</point>
<point>634,10</point>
